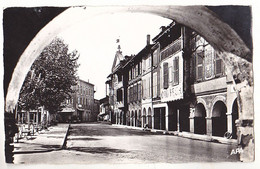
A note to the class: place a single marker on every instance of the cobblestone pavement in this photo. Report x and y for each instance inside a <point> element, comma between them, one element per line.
<point>96,143</point>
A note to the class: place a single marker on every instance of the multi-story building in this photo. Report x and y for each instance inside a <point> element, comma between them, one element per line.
<point>134,74</point>
<point>118,89</point>
<point>80,106</point>
<point>213,109</point>
<point>104,112</point>
<point>96,108</point>
<point>179,83</point>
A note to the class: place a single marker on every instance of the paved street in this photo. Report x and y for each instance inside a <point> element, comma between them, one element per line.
<point>101,143</point>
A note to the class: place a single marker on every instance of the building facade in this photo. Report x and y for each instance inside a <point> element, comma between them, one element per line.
<point>80,106</point>
<point>178,83</point>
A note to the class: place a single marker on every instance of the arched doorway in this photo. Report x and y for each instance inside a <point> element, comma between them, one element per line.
<point>132,118</point>
<point>219,119</point>
<point>144,117</point>
<point>139,118</point>
<point>200,119</point>
<point>234,118</point>
<point>149,118</point>
<point>135,117</point>
<point>128,118</point>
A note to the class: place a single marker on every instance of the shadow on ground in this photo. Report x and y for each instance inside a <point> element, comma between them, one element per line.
<point>84,139</point>
<point>97,150</point>
<point>106,130</point>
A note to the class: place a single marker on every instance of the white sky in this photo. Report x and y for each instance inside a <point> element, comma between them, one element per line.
<point>95,40</point>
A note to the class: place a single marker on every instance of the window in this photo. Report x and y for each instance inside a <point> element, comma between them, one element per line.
<point>119,78</point>
<point>128,95</point>
<point>144,65</point>
<point>218,66</point>
<point>149,87</point>
<point>149,61</point>
<point>133,72</point>
<point>139,68</point>
<point>165,75</point>
<point>131,94</point>
<point>155,85</point>
<point>175,71</point>
<point>139,91</point>
<point>130,74</point>
<point>136,70</point>
<point>199,65</point>
<point>144,88</point>
<point>155,57</point>
<point>208,62</point>
<point>119,95</point>
<point>136,92</point>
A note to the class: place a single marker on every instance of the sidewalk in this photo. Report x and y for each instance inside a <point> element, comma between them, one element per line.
<point>44,141</point>
<point>185,135</point>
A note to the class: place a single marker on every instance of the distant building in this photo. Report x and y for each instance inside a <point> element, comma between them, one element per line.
<point>96,109</point>
<point>80,106</point>
<point>104,112</point>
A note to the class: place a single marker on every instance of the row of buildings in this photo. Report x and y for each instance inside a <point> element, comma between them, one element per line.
<point>80,107</point>
<point>176,83</point>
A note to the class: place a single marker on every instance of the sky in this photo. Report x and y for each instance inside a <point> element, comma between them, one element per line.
<point>95,40</point>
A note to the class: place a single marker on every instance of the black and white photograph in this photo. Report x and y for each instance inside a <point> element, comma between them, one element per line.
<point>119,84</point>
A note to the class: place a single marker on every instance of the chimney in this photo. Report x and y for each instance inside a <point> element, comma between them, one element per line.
<point>148,40</point>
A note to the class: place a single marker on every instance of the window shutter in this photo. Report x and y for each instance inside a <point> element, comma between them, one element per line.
<point>144,89</point>
<point>139,91</point>
<point>208,62</point>
<point>165,75</point>
<point>218,66</point>
<point>199,59</point>
<point>158,82</point>
<point>176,71</point>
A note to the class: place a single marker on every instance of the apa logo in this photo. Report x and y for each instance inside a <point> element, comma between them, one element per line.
<point>236,151</point>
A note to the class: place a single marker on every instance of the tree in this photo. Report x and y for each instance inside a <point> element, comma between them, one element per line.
<point>50,80</point>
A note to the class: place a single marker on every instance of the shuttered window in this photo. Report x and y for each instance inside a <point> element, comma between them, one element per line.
<point>165,75</point>
<point>155,57</point>
<point>136,92</point>
<point>218,66</point>
<point>128,95</point>
<point>175,73</point>
<point>199,66</point>
<point>144,89</point>
<point>155,85</point>
<point>208,62</point>
<point>158,82</point>
<point>139,91</point>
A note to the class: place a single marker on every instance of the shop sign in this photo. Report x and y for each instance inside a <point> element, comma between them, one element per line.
<point>172,93</point>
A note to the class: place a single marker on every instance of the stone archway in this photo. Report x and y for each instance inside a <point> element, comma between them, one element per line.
<point>234,118</point>
<point>144,117</point>
<point>219,119</point>
<point>139,119</point>
<point>149,117</point>
<point>200,119</point>
<point>221,36</point>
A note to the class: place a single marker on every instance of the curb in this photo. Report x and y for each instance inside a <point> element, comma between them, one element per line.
<point>184,135</point>
<point>65,138</point>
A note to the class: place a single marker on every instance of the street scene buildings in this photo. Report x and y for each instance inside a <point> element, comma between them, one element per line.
<point>183,95</point>
<point>177,83</point>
